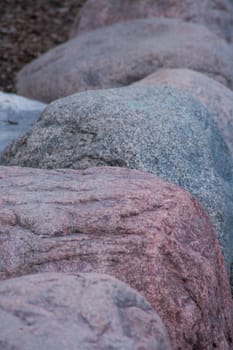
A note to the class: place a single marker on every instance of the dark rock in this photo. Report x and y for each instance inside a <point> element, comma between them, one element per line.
<point>124,53</point>
<point>132,225</point>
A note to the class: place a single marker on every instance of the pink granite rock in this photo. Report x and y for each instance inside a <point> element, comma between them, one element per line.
<point>124,53</point>
<point>217,15</point>
<point>129,224</point>
<point>217,98</point>
<point>53,311</point>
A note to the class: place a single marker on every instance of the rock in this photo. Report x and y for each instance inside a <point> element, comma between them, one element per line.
<point>217,15</point>
<point>159,130</point>
<point>17,115</point>
<point>124,53</point>
<point>148,233</point>
<point>213,95</point>
<point>85,311</point>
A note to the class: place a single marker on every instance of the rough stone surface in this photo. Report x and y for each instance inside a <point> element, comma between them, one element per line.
<point>124,53</point>
<point>55,311</point>
<point>132,225</point>
<point>160,130</point>
<point>17,115</point>
<point>214,96</point>
<point>217,15</point>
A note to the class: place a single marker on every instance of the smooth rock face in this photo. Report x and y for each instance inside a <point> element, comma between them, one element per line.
<point>124,53</point>
<point>132,225</point>
<point>214,96</point>
<point>160,130</point>
<point>17,115</point>
<point>55,311</point>
<point>217,15</point>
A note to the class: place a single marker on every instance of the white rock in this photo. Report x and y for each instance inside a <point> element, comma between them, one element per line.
<point>17,115</point>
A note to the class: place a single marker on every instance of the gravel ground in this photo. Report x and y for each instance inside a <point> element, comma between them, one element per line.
<point>28,28</point>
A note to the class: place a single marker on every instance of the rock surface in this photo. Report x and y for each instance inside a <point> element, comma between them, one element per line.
<point>69,312</point>
<point>28,29</point>
<point>217,15</point>
<point>213,95</point>
<point>160,130</point>
<point>132,225</point>
<point>17,115</point>
<point>124,53</point>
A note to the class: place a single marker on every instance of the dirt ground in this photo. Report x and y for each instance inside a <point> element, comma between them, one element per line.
<point>28,28</point>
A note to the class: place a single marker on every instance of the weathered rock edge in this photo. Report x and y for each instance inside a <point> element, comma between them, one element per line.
<point>144,231</point>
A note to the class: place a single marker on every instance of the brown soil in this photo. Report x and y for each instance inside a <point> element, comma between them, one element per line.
<point>28,28</point>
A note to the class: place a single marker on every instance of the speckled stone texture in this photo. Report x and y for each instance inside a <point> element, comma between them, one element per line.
<point>124,53</point>
<point>129,224</point>
<point>17,115</point>
<point>160,130</point>
<point>55,311</point>
<point>217,15</point>
<point>214,96</point>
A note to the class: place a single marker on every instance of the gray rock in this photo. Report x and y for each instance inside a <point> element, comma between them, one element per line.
<point>17,115</point>
<point>215,97</point>
<point>217,15</point>
<point>124,53</point>
<point>160,130</point>
<point>55,311</point>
